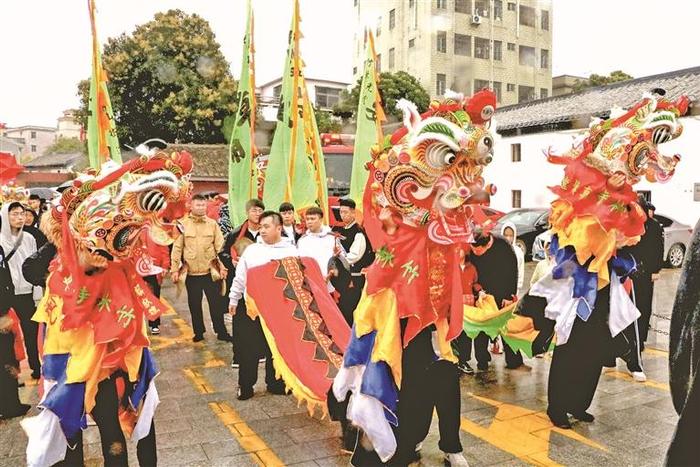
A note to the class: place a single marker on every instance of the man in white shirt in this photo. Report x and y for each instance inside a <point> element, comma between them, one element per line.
<point>273,246</point>
<point>318,242</point>
<point>289,227</point>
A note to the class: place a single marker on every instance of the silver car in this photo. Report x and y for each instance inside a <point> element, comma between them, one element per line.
<point>676,240</point>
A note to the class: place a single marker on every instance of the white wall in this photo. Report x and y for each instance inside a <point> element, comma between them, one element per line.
<point>534,174</point>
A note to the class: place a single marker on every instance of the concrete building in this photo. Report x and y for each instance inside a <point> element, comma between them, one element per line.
<point>68,125</point>
<point>463,45</point>
<point>35,139</point>
<point>522,174</point>
<point>564,84</point>
<point>323,94</point>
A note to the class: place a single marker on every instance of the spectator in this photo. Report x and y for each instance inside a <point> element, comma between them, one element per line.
<point>194,256</point>
<point>290,228</point>
<point>160,258</point>
<point>318,242</point>
<point>18,246</point>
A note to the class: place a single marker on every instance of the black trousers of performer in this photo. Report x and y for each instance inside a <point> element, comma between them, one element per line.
<point>251,347</point>
<point>153,283</point>
<point>426,385</point>
<point>9,397</point>
<point>643,297</point>
<point>463,345</point>
<point>114,448</point>
<point>25,308</point>
<point>196,286</point>
<point>513,359</point>
<point>350,297</point>
<point>576,365</point>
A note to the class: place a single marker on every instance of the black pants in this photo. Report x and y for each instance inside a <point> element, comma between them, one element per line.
<point>576,365</point>
<point>153,283</point>
<point>114,448</point>
<point>196,285</point>
<point>25,308</point>
<point>513,359</point>
<point>9,397</point>
<point>643,298</point>
<point>251,347</point>
<point>426,385</point>
<point>350,297</point>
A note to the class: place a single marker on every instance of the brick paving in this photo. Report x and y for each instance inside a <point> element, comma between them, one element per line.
<point>200,423</point>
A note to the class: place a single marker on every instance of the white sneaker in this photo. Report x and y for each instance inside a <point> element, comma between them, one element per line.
<point>639,376</point>
<point>456,460</point>
<point>155,330</point>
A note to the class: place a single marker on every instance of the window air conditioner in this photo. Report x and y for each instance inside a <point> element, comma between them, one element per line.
<point>476,19</point>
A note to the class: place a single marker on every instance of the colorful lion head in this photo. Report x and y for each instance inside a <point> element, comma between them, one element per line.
<point>107,211</point>
<point>430,172</point>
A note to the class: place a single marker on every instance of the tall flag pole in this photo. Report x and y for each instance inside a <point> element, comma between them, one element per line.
<point>103,144</point>
<point>370,116</point>
<point>242,169</point>
<point>296,171</point>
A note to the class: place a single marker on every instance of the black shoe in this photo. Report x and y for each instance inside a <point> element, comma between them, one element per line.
<point>244,393</point>
<point>224,337</point>
<point>559,420</point>
<point>583,416</point>
<point>465,368</point>
<point>234,363</point>
<point>278,389</point>
<point>20,411</point>
<point>482,366</point>
<point>197,338</point>
<point>36,374</point>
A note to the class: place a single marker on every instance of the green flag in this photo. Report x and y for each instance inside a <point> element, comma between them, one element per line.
<point>370,116</point>
<point>242,171</point>
<point>295,171</point>
<point>103,144</point>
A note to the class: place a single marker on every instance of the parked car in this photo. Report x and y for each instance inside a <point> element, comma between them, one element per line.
<point>676,239</point>
<point>529,222</point>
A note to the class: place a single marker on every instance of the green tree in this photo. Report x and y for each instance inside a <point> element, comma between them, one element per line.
<point>66,146</point>
<point>325,122</point>
<point>392,87</point>
<point>169,80</point>
<point>601,80</point>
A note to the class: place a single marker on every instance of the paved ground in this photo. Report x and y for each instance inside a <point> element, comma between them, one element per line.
<point>200,422</point>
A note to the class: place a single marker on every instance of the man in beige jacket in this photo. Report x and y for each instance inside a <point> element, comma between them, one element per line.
<point>197,248</point>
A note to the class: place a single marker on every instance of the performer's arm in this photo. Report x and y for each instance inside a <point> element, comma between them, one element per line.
<point>357,249</point>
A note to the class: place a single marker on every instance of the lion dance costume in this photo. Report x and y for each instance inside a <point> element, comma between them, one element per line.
<point>417,214</point>
<point>96,304</point>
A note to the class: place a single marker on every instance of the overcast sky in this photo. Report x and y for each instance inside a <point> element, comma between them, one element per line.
<point>46,43</point>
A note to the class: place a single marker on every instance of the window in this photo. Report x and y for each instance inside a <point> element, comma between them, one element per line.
<point>379,63</point>
<point>463,6</point>
<point>544,20</point>
<point>411,3</point>
<point>442,41</point>
<point>497,54</point>
<point>511,6</point>
<point>480,84</point>
<point>544,93</point>
<point>515,153</point>
<point>544,58</point>
<point>276,91</point>
<point>411,43</point>
<point>516,196</point>
<point>33,148</point>
<point>355,2</point>
<point>511,47</point>
<point>510,87</point>
<point>326,97</point>
<point>498,10</point>
<point>497,90</point>
<point>33,134</point>
<point>481,8</point>
<point>527,16</point>
<point>526,55</point>
<point>696,192</point>
<point>354,70</point>
<point>392,19</point>
<point>526,93</point>
<point>391,58</point>
<point>442,4</point>
<point>481,48</point>
<point>440,84</point>
<point>379,27</point>
<point>463,45</point>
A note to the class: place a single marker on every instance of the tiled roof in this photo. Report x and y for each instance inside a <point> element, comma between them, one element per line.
<point>56,161</point>
<point>597,101</point>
